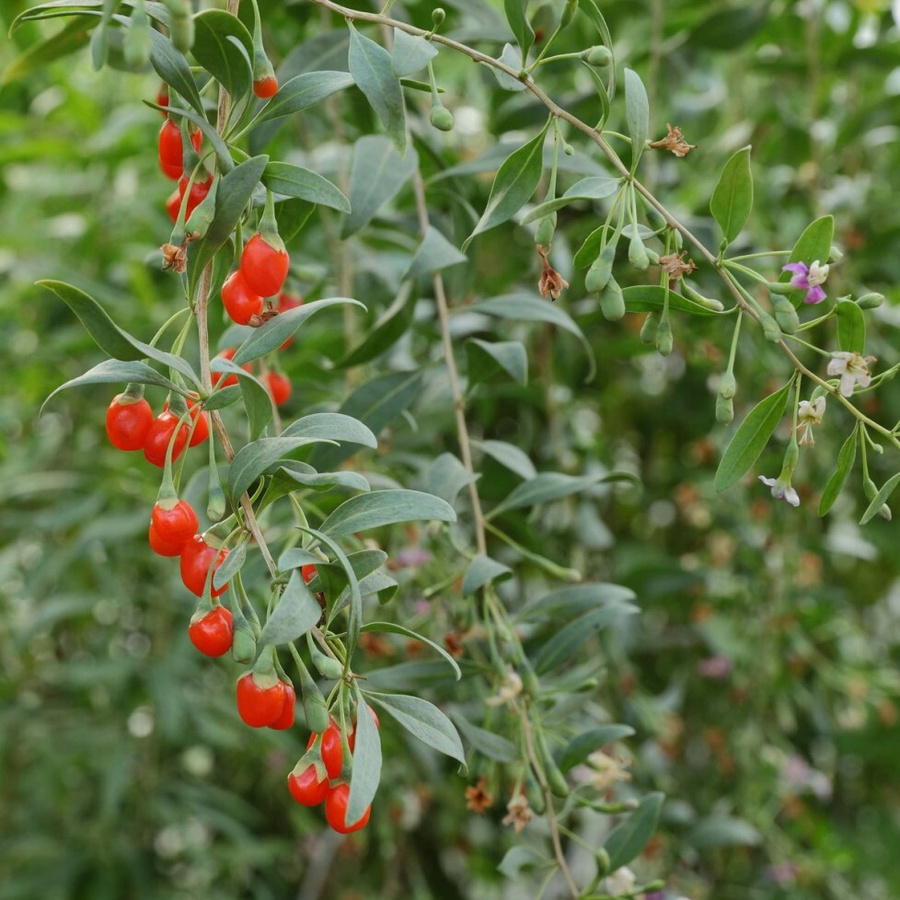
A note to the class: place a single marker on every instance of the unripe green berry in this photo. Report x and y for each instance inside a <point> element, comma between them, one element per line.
<point>568,149</point>
<point>612,303</point>
<point>438,14</point>
<point>601,270</point>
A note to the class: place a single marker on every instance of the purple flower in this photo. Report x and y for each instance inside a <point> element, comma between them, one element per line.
<point>716,667</point>
<point>408,557</point>
<point>655,895</point>
<point>783,873</point>
<point>809,279</point>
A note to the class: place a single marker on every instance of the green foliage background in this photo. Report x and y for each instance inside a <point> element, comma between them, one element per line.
<point>125,770</point>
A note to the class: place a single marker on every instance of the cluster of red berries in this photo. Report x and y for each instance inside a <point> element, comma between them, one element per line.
<point>130,425</point>
<point>171,161</point>
<point>261,273</point>
<point>312,783</point>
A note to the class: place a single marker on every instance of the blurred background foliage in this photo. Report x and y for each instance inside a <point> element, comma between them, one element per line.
<point>761,677</point>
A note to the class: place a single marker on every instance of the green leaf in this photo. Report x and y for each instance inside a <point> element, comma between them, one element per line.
<point>596,187</point>
<point>627,840</point>
<point>295,181</point>
<point>723,831</point>
<point>376,403</point>
<point>233,564</point>
<point>581,747</point>
<point>380,508</point>
<point>234,193</point>
<point>592,11</point>
<point>565,642</point>
<point>845,460</point>
<point>493,746</point>
<point>223,46</point>
<point>279,328</point>
<point>114,371</point>
<point>71,38</point>
<point>485,359</point>
<point>296,558</point>
<point>332,427</point>
<point>513,58</point>
<point>637,114</point>
<point>565,604</point>
<point>510,456</point>
<point>291,472</point>
<point>108,336</point>
<point>518,21</point>
<point>297,611</point>
<point>389,328</point>
<point>751,438</point>
<point>257,399</point>
<point>391,628</point>
<point>531,308</point>
<point>370,66</point>
<point>291,215</point>
<point>651,298</point>
<point>516,182</point>
<point>434,253</point>
<point>424,721</point>
<point>253,459</point>
<point>302,92</point>
<point>446,476</point>
<point>411,53</point>
<point>814,244</point>
<point>732,198</point>
<point>545,487</point>
<point>880,498</point>
<point>366,774</point>
<point>481,571</point>
<point>851,327</point>
<point>174,70</point>
<point>377,173</point>
<point>520,858</point>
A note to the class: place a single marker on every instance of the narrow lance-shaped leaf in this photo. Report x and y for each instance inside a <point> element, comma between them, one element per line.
<point>223,46</point>
<point>518,21</point>
<point>295,181</point>
<point>751,438</point>
<point>424,721</point>
<point>389,507</point>
<point>391,628</point>
<point>297,611</point>
<point>627,840</point>
<point>370,66</point>
<point>637,113</point>
<point>880,499</point>
<point>851,327</point>
<point>845,460</point>
<point>732,198</point>
<point>174,70</point>
<point>302,92</point>
<point>366,773</point>
<point>516,182</point>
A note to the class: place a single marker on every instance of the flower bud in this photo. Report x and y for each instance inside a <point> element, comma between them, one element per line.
<point>664,338</point>
<point>612,303</point>
<point>599,56</point>
<point>870,301</point>
<point>568,149</point>
<point>441,118</point>
<point>791,458</point>
<point>699,299</point>
<point>637,253</point>
<point>243,647</point>
<point>771,329</point>
<point>724,409</point>
<point>834,255</point>
<point>648,329</point>
<point>728,386</point>
<point>136,43</point>
<point>601,270</point>
<point>785,314</point>
<point>780,287</point>
<point>438,14</point>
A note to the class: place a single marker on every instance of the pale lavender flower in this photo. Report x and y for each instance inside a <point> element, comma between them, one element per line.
<point>715,667</point>
<point>407,557</point>
<point>781,488</point>
<point>809,279</point>
<point>809,413</point>
<point>853,369</point>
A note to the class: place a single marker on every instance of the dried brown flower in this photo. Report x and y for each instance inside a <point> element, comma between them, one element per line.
<point>518,814</point>
<point>677,266</point>
<point>674,141</point>
<point>551,283</point>
<point>477,797</point>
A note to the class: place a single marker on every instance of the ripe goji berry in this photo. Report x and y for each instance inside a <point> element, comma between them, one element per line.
<point>265,87</point>
<point>308,572</point>
<point>175,525</point>
<point>212,632</point>
<point>158,436</point>
<point>171,149</point>
<point>279,387</point>
<point>128,421</point>
<point>286,719</point>
<point>196,558</point>
<point>332,749</point>
<point>336,810</point>
<point>352,739</point>
<point>258,706</point>
<point>264,267</point>
<point>306,788</point>
<point>240,302</point>
<point>161,547</point>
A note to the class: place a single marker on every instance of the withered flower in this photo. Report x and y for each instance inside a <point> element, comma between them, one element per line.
<point>551,283</point>
<point>674,141</point>
<point>477,797</point>
<point>518,814</point>
<point>677,266</point>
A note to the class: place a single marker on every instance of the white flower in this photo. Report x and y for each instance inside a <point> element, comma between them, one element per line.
<point>853,369</point>
<point>809,413</point>
<point>510,688</point>
<point>607,770</point>
<point>781,489</point>
<point>622,881</point>
<point>817,274</point>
